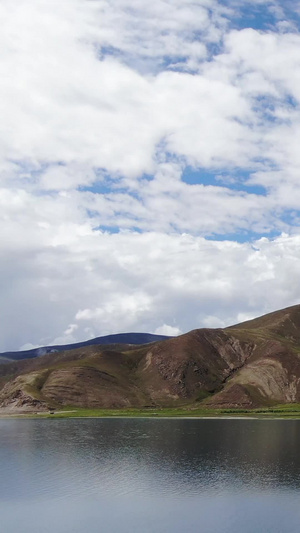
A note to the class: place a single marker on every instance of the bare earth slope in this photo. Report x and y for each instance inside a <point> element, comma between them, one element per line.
<point>248,365</point>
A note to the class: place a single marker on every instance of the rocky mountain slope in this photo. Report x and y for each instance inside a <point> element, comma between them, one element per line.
<point>253,364</point>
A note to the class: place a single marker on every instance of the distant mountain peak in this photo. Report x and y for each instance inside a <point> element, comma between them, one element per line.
<point>116,338</point>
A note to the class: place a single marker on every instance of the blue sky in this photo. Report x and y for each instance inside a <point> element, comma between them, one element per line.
<point>149,162</point>
<point>259,16</point>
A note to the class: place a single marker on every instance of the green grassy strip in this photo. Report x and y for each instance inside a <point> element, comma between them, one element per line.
<point>282,411</point>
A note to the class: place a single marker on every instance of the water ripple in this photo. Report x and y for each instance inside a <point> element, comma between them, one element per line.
<point>162,475</point>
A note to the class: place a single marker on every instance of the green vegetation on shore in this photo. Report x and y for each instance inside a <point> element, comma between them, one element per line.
<point>279,411</point>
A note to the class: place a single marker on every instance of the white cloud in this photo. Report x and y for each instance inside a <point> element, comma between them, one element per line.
<point>103,106</point>
<point>213,322</point>
<point>106,114</point>
<point>152,34</point>
<point>97,283</point>
<point>165,329</point>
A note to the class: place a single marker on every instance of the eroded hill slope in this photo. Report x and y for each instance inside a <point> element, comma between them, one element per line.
<point>248,365</point>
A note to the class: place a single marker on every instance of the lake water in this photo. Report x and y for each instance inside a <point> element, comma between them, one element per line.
<point>149,475</point>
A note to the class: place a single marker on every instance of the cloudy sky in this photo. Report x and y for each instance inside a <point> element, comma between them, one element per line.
<point>150,165</point>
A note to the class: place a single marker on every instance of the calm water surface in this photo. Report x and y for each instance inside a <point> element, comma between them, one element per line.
<point>149,475</point>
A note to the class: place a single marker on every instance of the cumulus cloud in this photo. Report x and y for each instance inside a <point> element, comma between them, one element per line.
<point>148,165</point>
<point>98,284</point>
<point>165,329</point>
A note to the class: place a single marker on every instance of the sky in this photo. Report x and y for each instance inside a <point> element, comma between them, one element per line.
<point>149,166</point>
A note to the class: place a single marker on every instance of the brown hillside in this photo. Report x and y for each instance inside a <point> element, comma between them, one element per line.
<point>247,365</point>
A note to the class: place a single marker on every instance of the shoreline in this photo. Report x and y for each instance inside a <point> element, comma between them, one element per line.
<point>218,416</point>
<point>196,412</point>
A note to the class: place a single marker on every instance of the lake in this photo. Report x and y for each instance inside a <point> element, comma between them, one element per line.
<point>150,475</point>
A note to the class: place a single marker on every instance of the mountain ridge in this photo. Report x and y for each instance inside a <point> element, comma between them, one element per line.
<point>248,365</point>
<point>116,338</point>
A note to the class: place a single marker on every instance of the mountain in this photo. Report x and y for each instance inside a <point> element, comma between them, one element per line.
<point>248,365</point>
<point>119,338</point>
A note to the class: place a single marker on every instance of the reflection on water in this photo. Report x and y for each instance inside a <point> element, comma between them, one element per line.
<point>149,475</point>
